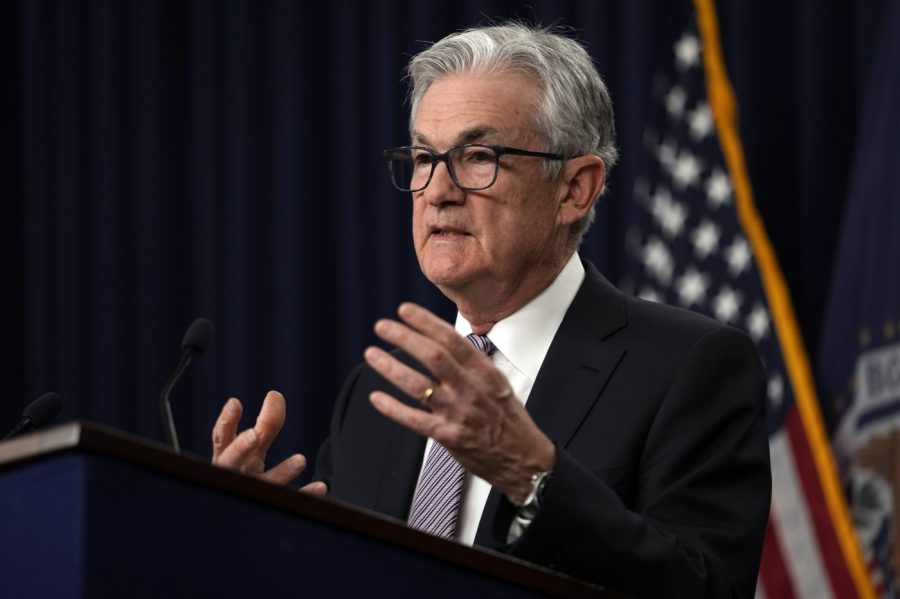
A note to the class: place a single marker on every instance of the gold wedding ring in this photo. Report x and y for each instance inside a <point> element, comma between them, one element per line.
<point>427,395</point>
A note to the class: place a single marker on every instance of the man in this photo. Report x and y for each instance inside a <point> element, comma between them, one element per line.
<point>641,461</point>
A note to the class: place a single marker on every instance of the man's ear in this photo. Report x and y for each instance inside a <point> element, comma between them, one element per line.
<point>582,181</point>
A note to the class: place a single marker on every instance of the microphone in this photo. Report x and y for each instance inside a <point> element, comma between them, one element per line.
<point>37,414</point>
<point>197,340</point>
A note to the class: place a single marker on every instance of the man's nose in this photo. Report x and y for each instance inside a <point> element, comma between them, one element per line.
<point>442,189</point>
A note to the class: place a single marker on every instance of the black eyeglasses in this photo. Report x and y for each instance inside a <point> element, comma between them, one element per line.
<point>472,166</point>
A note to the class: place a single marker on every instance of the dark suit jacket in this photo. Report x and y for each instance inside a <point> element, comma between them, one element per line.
<point>662,483</point>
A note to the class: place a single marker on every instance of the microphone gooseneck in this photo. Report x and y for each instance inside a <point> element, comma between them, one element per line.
<point>37,414</point>
<point>196,341</point>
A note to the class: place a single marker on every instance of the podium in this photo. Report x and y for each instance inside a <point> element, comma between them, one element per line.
<point>88,511</point>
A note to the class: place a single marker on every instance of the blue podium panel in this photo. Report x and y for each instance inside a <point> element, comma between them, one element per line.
<point>114,518</point>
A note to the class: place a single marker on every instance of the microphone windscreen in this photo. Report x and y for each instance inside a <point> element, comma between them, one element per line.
<point>43,409</point>
<point>199,337</point>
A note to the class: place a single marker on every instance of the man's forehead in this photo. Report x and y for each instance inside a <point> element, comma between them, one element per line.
<point>466,135</point>
<point>471,107</point>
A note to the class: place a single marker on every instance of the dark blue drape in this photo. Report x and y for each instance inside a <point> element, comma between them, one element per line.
<point>167,160</point>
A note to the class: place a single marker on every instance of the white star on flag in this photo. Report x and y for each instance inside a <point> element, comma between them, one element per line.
<point>718,189</point>
<point>669,214</point>
<point>737,256</point>
<point>665,153</point>
<point>758,322</point>
<point>692,286</point>
<point>675,102</point>
<point>727,304</point>
<point>705,239</point>
<point>686,169</point>
<point>687,52</point>
<point>700,121</point>
<point>658,260</point>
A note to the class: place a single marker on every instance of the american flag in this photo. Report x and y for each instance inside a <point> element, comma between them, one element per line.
<point>695,240</point>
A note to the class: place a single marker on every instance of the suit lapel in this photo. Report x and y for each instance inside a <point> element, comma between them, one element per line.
<point>571,379</point>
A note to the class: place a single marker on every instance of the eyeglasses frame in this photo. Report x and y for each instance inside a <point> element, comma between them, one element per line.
<point>445,158</point>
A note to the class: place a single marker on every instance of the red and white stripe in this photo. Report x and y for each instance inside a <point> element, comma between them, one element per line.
<point>802,556</point>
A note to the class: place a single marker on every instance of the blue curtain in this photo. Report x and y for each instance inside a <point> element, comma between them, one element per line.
<point>168,160</point>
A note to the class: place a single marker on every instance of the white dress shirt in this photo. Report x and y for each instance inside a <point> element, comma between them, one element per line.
<point>522,340</point>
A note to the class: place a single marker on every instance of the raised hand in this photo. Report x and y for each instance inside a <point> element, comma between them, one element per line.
<point>471,409</point>
<point>246,452</point>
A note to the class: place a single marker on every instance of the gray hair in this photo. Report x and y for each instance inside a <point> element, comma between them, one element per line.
<point>575,117</point>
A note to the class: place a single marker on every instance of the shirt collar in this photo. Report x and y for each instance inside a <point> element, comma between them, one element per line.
<point>524,337</point>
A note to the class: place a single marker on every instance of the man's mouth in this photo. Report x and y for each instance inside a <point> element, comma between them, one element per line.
<point>448,232</point>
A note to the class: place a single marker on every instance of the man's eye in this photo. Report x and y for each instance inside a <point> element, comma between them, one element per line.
<point>479,156</point>
<point>422,159</point>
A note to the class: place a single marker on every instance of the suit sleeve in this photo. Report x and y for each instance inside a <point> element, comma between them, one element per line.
<point>702,489</point>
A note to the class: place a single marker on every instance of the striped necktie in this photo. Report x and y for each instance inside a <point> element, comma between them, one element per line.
<point>435,506</point>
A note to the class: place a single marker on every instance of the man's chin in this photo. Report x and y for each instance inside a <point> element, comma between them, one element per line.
<point>444,281</point>
<point>447,278</point>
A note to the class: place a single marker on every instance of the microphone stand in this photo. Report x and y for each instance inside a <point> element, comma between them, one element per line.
<point>166,407</point>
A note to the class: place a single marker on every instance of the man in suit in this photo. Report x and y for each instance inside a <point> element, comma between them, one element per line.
<point>617,440</point>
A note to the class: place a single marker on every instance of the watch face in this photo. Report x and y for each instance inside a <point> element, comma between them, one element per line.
<point>538,484</point>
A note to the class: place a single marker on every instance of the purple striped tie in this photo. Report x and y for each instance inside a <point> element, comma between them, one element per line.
<point>435,507</point>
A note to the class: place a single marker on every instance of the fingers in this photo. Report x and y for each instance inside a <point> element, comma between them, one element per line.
<point>420,421</point>
<point>437,356</point>
<point>458,367</point>
<point>412,382</point>
<point>246,452</point>
<point>270,420</point>
<point>239,455</point>
<point>225,429</point>
<point>316,487</point>
<point>437,329</point>
<point>286,471</point>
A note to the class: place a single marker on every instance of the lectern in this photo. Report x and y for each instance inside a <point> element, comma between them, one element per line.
<point>88,511</point>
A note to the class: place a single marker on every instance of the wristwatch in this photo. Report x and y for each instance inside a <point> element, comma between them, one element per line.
<point>529,508</point>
